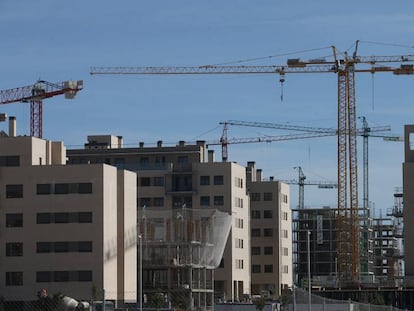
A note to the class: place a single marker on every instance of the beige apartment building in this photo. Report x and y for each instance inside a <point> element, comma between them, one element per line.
<point>188,177</point>
<point>408,212</point>
<point>65,229</point>
<point>271,234</point>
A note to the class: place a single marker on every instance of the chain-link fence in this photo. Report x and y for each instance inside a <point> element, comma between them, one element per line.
<point>293,300</point>
<point>299,300</point>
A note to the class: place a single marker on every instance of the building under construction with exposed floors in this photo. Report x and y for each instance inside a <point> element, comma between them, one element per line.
<point>315,238</point>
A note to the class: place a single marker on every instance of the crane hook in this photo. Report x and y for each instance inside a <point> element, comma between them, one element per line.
<point>282,81</point>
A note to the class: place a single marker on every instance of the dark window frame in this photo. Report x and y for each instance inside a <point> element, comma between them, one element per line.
<point>14,249</point>
<point>14,278</point>
<point>204,180</point>
<point>14,220</point>
<point>218,180</point>
<point>268,214</point>
<point>14,191</point>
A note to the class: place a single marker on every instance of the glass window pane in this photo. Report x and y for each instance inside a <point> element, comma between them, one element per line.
<point>85,217</point>
<point>14,191</point>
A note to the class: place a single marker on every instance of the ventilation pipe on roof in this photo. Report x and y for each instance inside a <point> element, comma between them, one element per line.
<point>259,174</point>
<point>12,126</point>
<point>210,156</point>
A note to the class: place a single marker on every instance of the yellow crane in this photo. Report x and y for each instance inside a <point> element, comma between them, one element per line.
<point>344,68</point>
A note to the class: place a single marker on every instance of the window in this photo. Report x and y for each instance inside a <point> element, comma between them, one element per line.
<point>61,188</point>
<point>256,269</point>
<point>238,182</point>
<point>14,278</point>
<point>14,249</point>
<point>285,251</point>
<point>84,187</point>
<point>61,276</point>
<point>14,220</point>
<point>285,216</point>
<point>268,250</point>
<point>61,247</point>
<point>85,217</point>
<point>43,189</point>
<point>284,198</point>
<point>268,214</point>
<point>61,218</point>
<point>204,180</point>
<point>64,188</point>
<point>268,232</point>
<point>238,243</point>
<point>204,201</point>
<point>239,223</point>
<point>158,181</point>
<point>64,247</point>
<point>14,191</point>
<point>145,182</point>
<point>267,196</point>
<point>285,233</point>
<point>239,202</point>
<point>219,180</point>
<point>9,161</point>
<point>256,250</point>
<point>256,232</point>
<point>49,218</point>
<point>218,200</point>
<point>85,246</point>
<point>255,196</point>
<point>158,201</point>
<point>239,263</point>
<point>255,214</point>
<point>268,268</point>
<point>285,269</point>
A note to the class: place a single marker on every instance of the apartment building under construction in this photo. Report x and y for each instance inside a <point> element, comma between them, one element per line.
<point>315,238</point>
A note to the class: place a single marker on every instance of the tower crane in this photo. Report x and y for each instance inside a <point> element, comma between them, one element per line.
<point>301,182</point>
<point>35,94</point>
<point>344,69</point>
<point>366,131</point>
<point>223,142</point>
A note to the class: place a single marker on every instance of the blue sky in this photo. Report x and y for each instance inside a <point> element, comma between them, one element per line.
<point>57,41</point>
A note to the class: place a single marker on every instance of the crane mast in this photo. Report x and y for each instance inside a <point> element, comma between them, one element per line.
<point>345,69</point>
<point>35,94</point>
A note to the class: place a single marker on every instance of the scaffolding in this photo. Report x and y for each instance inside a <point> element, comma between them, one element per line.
<point>180,250</point>
<point>389,255</point>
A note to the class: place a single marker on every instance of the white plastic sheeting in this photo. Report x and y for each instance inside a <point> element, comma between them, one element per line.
<point>184,236</point>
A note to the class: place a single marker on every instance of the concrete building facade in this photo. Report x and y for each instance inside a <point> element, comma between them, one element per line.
<point>408,212</point>
<point>65,229</point>
<point>271,234</point>
<point>187,176</point>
